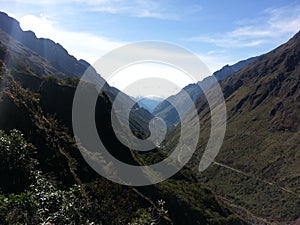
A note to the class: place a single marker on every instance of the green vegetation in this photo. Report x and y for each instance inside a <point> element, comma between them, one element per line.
<point>194,199</point>
<point>43,201</point>
<point>151,215</point>
<point>46,180</point>
<point>62,188</point>
<point>15,162</point>
<point>256,172</point>
<point>28,196</point>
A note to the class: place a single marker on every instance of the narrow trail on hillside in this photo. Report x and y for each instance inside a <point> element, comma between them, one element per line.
<point>257,178</point>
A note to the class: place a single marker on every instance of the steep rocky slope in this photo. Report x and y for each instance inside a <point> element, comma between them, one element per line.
<point>258,167</point>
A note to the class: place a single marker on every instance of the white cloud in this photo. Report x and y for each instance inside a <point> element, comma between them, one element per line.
<point>159,79</point>
<point>274,27</point>
<point>146,79</point>
<point>163,9</point>
<point>153,59</point>
<point>90,47</point>
<point>215,61</point>
<point>284,20</point>
<point>229,42</point>
<point>250,31</point>
<point>82,45</point>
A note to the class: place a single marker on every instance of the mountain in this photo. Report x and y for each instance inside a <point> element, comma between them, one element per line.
<point>49,50</point>
<point>47,58</point>
<point>257,169</point>
<point>166,111</point>
<point>148,103</point>
<point>45,178</point>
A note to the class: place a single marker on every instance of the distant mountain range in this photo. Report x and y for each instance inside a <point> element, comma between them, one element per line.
<point>148,103</point>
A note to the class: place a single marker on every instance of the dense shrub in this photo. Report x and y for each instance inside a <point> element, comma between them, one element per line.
<point>15,162</point>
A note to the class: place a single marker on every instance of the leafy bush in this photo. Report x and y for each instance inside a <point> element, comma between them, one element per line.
<point>44,203</point>
<point>151,215</point>
<point>38,200</point>
<point>15,162</point>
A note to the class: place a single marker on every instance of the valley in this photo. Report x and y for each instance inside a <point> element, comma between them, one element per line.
<point>45,179</point>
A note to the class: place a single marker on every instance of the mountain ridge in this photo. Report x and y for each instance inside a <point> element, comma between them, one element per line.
<point>166,111</point>
<point>257,168</point>
<point>48,49</point>
<point>148,103</point>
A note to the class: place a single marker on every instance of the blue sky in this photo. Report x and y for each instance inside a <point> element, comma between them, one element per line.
<point>219,32</point>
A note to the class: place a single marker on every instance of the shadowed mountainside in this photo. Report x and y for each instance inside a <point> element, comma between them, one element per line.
<point>56,55</point>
